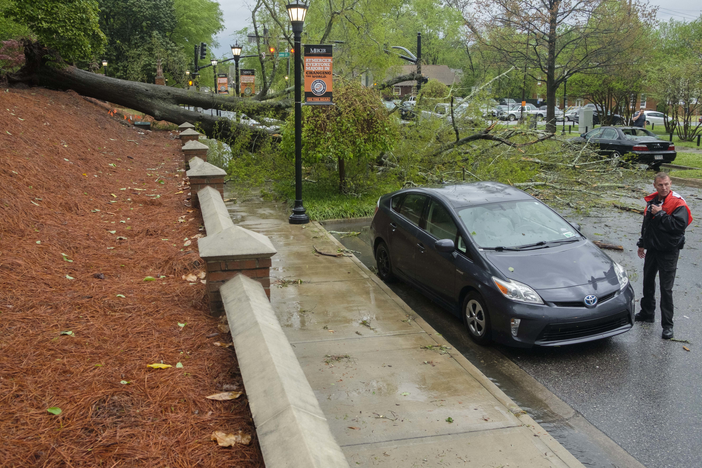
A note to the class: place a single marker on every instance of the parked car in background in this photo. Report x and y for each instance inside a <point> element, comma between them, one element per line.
<point>655,117</point>
<point>513,113</point>
<point>571,114</point>
<point>510,266</point>
<point>615,119</point>
<point>618,141</point>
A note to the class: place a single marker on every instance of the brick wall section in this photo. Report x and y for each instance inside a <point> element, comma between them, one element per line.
<point>199,182</point>
<point>188,154</point>
<point>222,270</point>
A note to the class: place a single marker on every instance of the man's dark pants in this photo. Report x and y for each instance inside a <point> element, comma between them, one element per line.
<point>665,264</point>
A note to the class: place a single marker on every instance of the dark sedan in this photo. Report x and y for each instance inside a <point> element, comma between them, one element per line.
<point>617,141</point>
<point>511,267</point>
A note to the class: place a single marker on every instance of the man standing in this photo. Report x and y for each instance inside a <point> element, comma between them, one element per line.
<point>662,236</point>
<point>639,119</point>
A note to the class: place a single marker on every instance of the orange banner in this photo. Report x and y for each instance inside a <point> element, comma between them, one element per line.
<point>318,74</point>
<point>248,82</point>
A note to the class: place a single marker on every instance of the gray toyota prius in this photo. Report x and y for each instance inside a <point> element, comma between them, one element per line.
<point>511,267</point>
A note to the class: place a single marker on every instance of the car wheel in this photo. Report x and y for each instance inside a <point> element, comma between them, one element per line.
<point>476,318</point>
<point>655,166</point>
<point>616,158</point>
<point>382,260</point>
<point>540,117</point>
<point>512,117</point>
<point>648,123</point>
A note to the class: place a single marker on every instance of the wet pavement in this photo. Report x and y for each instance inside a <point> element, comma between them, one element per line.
<point>634,391</point>
<point>393,390</point>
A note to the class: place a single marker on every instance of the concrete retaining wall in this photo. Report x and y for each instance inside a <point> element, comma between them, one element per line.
<point>291,427</point>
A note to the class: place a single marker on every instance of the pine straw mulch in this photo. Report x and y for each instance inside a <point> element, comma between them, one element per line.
<point>89,208</point>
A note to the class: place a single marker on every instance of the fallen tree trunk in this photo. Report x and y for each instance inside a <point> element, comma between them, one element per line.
<point>161,102</point>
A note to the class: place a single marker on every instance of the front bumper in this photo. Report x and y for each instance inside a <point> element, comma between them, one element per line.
<point>557,325</point>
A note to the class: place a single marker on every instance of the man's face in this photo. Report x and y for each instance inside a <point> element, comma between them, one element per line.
<point>662,186</point>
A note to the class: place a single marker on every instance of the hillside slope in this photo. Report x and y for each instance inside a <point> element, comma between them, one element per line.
<point>96,236</point>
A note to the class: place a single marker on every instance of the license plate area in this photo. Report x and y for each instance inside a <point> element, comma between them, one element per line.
<point>658,157</point>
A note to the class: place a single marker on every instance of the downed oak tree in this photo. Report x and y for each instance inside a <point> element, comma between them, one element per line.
<point>43,68</point>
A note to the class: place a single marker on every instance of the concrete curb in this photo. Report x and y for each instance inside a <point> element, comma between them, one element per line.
<point>291,427</point>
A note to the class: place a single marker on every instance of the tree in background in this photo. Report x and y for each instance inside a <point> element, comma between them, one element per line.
<point>69,27</point>
<point>677,74</point>
<point>347,136</point>
<point>554,39</point>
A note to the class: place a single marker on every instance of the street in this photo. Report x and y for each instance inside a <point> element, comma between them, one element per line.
<point>636,389</point>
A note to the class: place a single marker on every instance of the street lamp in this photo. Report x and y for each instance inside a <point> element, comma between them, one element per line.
<point>297,12</point>
<point>565,91</point>
<point>104,67</point>
<point>214,72</point>
<point>236,52</point>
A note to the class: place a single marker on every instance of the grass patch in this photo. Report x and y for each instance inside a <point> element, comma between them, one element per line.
<point>687,174</point>
<point>661,133</point>
<point>689,159</point>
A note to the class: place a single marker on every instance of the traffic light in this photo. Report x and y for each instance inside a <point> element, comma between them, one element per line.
<point>203,51</point>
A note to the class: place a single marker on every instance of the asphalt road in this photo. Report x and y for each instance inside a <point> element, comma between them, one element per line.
<point>635,389</point>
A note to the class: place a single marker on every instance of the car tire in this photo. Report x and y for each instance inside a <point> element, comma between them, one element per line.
<point>648,123</point>
<point>655,166</point>
<point>540,118</point>
<point>476,318</point>
<point>512,117</point>
<point>382,261</point>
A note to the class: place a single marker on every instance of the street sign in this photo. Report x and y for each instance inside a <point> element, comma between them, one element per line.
<point>283,54</point>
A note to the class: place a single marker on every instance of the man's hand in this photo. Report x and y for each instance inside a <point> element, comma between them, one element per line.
<point>655,209</point>
<point>642,252</point>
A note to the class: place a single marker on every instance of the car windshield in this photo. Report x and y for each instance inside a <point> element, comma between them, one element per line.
<point>515,225</point>
<point>637,133</point>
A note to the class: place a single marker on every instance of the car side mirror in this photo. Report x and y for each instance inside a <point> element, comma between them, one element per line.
<point>445,245</point>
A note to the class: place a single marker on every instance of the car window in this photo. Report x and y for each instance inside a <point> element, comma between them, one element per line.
<point>412,206</point>
<point>439,222</point>
<point>637,133</point>
<point>609,134</point>
<point>514,224</point>
<point>656,114</point>
<point>593,134</point>
<point>396,202</point>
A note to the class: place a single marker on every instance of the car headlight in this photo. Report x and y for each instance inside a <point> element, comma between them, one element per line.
<point>622,277</point>
<point>517,291</point>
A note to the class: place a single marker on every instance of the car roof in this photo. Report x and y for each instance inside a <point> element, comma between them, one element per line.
<point>477,193</point>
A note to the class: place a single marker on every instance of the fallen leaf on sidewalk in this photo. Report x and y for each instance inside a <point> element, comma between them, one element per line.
<point>686,349</point>
<point>355,428</point>
<point>225,396</point>
<point>229,440</point>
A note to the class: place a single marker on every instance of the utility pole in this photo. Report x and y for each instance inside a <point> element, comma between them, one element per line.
<point>419,61</point>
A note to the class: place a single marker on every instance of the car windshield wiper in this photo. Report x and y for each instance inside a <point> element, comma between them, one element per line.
<point>565,241</point>
<point>500,248</point>
<point>538,245</point>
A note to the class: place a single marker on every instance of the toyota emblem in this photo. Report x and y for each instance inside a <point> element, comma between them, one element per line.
<point>590,300</point>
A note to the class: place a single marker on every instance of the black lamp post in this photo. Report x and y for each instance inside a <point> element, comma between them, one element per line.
<point>236,52</point>
<point>104,67</point>
<point>565,91</point>
<point>214,72</point>
<point>297,12</point>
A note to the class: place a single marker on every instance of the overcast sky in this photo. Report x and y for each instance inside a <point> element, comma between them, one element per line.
<point>237,15</point>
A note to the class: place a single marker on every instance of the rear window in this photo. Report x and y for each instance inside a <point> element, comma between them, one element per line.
<point>637,133</point>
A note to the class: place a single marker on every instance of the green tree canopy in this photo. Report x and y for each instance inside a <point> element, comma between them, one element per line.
<point>70,27</point>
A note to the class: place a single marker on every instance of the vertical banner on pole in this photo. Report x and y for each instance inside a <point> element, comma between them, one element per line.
<point>318,75</point>
<point>222,83</point>
<point>248,82</point>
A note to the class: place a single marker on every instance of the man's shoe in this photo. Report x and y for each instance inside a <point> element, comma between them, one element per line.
<point>641,317</point>
<point>667,333</point>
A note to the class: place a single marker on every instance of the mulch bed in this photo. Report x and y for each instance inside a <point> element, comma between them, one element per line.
<point>98,279</point>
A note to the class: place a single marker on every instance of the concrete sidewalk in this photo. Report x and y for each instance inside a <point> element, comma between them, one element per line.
<point>393,391</point>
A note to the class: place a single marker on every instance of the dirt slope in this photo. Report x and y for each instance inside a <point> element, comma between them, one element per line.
<point>91,208</point>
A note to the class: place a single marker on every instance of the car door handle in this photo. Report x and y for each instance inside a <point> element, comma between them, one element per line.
<point>421,247</point>
<point>393,226</point>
